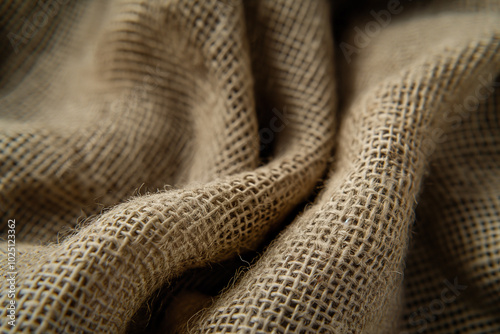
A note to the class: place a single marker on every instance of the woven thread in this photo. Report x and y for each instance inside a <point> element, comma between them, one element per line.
<point>141,141</point>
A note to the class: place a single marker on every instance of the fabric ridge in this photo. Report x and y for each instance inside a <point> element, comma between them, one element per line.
<point>224,166</point>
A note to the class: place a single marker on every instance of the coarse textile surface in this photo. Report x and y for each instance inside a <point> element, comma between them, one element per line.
<point>265,166</point>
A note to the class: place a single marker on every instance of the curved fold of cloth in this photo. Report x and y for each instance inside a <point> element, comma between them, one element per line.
<point>96,279</point>
<point>339,267</point>
<point>143,140</point>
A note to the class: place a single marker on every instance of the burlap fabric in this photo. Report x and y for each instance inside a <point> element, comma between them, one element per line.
<point>150,150</point>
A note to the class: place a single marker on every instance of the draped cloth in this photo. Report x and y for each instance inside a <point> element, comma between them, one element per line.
<point>219,166</point>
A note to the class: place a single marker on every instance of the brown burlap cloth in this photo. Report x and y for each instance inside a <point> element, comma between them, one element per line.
<point>351,150</point>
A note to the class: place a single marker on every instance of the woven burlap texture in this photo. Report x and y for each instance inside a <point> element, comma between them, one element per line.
<point>142,142</point>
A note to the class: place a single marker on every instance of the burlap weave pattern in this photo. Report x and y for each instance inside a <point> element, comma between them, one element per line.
<point>145,142</point>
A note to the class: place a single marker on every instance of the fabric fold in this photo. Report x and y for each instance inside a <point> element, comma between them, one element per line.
<point>146,145</point>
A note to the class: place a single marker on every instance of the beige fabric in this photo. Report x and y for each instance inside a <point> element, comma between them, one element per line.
<point>267,166</point>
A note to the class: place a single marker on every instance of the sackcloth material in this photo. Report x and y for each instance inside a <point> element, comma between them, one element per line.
<point>265,166</point>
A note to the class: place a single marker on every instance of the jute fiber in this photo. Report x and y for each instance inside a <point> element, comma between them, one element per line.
<point>220,166</point>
